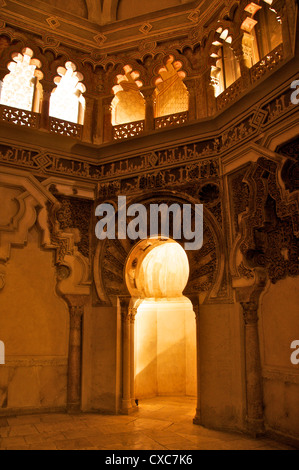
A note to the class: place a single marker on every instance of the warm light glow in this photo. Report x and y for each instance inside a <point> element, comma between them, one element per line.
<point>67,96</point>
<point>165,348</point>
<point>18,86</point>
<point>171,93</point>
<point>164,272</point>
<point>224,34</point>
<point>248,24</point>
<point>128,104</point>
<point>252,8</point>
<point>165,339</point>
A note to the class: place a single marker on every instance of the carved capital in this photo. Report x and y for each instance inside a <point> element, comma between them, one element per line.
<point>249,295</point>
<point>106,102</point>
<point>125,308</point>
<point>237,47</point>
<point>76,304</point>
<point>148,94</point>
<point>132,314</point>
<point>191,84</point>
<point>195,303</point>
<point>48,87</point>
<point>250,314</point>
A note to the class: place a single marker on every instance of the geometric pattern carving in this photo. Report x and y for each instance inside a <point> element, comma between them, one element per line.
<point>75,213</point>
<point>53,22</point>
<point>100,39</point>
<point>67,128</point>
<point>125,131</point>
<point>204,265</point>
<point>230,94</point>
<point>145,28</point>
<point>290,170</point>
<point>194,16</point>
<point>171,120</point>
<point>42,161</point>
<point>271,226</point>
<point>267,63</point>
<point>19,116</point>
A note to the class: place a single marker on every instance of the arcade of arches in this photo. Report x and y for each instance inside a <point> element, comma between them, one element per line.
<point>189,103</point>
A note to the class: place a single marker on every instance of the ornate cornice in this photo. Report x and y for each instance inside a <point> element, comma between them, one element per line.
<point>199,159</point>
<point>73,31</point>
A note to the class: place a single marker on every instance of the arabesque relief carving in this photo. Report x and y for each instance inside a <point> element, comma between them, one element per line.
<point>270,229</point>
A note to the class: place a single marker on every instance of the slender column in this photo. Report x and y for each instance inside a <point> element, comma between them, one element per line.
<point>45,118</point>
<point>205,96</point>
<point>76,309</point>
<point>98,136</point>
<point>248,295</point>
<point>87,134</point>
<point>126,356</point>
<point>239,50</point>
<point>149,97</point>
<point>254,390</point>
<point>107,119</point>
<point>191,85</point>
<point>133,312</point>
<point>283,9</point>
<point>195,303</point>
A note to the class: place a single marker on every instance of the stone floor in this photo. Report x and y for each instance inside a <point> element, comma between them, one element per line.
<point>159,424</point>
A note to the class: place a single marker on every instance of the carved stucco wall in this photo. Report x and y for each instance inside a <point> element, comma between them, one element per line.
<point>267,216</point>
<point>34,327</point>
<point>35,271</point>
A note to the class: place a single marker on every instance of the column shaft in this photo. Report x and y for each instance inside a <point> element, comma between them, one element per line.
<point>132,357</point>
<point>45,108</point>
<point>74,362</point>
<point>126,357</point>
<point>254,390</point>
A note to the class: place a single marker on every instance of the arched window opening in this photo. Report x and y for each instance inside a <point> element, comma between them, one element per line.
<point>21,87</point>
<point>262,32</point>
<point>128,104</point>
<point>268,31</point>
<point>171,94</point>
<point>226,69</point>
<point>67,102</point>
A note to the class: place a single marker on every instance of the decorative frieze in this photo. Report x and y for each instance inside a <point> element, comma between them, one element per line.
<point>202,151</point>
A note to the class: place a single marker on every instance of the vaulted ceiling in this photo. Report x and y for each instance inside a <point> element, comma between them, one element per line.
<point>108,11</point>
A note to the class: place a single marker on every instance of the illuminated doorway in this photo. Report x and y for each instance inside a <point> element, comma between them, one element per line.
<point>165,331</point>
